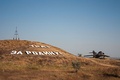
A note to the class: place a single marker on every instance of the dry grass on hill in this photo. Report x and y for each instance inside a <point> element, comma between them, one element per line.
<point>46,67</point>
<point>33,67</point>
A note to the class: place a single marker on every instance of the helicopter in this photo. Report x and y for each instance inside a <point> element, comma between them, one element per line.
<point>100,54</point>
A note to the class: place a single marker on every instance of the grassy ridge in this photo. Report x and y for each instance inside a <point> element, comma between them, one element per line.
<point>55,68</point>
<point>46,67</point>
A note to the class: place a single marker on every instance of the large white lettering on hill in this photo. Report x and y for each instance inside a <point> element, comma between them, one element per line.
<point>37,53</point>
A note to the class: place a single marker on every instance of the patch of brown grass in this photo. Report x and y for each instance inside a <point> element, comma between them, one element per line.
<point>114,72</point>
<point>46,67</point>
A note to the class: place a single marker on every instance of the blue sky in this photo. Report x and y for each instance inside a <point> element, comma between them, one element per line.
<point>77,26</point>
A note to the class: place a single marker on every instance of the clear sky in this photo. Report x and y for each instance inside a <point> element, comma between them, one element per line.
<point>77,26</point>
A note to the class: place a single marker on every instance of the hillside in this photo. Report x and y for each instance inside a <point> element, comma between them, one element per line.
<point>47,62</point>
<point>7,46</point>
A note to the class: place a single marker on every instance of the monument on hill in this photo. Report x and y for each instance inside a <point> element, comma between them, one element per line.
<point>16,36</point>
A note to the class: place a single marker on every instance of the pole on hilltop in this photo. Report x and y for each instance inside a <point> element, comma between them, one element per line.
<point>16,36</point>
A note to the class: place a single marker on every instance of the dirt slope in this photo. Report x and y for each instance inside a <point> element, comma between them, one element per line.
<point>7,46</point>
<point>51,67</point>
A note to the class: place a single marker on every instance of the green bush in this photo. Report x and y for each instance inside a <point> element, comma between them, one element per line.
<point>76,65</point>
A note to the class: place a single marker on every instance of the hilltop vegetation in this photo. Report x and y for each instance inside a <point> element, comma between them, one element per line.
<point>52,67</point>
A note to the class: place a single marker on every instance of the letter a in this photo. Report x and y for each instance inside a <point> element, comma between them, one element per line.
<point>19,52</point>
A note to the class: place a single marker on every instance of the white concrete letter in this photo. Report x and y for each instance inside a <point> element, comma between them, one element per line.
<point>34,52</point>
<point>37,46</point>
<point>13,52</point>
<point>31,45</point>
<point>45,52</point>
<point>51,53</point>
<point>27,52</point>
<point>42,46</point>
<point>57,53</point>
<point>19,52</point>
<point>40,53</point>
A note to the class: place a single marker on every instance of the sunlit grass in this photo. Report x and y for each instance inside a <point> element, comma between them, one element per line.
<point>46,67</point>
